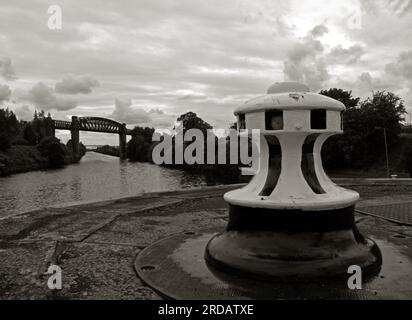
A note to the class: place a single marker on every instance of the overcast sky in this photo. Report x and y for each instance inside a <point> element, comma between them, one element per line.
<point>146,62</point>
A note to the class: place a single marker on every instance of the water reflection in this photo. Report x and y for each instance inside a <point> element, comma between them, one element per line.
<point>96,177</point>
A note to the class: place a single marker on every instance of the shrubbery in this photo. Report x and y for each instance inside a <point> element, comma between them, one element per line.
<point>9,126</point>
<point>5,143</point>
<point>139,148</point>
<point>55,151</point>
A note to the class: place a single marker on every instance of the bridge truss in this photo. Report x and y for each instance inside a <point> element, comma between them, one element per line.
<point>93,124</point>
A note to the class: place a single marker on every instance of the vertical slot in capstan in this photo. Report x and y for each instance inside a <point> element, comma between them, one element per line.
<point>274,166</point>
<point>308,164</point>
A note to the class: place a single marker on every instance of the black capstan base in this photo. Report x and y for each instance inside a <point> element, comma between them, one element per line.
<point>292,245</point>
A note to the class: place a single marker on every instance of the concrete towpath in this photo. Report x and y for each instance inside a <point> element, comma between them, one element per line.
<point>95,244</point>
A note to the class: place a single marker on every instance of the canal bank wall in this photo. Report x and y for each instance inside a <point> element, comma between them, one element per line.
<point>95,244</point>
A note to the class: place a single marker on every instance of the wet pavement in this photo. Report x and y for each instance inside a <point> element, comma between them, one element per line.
<point>96,244</point>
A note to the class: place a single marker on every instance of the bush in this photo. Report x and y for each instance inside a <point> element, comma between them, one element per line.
<point>5,143</point>
<point>55,151</point>
<point>82,148</point>
<point>21,142</point>
<point>56,154</point>
<point>30,135</point>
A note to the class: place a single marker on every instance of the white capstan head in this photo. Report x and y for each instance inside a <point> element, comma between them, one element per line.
<point>294,123</point>
<point>289,106</point>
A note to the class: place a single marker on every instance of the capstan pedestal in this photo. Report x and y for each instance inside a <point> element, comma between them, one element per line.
<point>291,222</point>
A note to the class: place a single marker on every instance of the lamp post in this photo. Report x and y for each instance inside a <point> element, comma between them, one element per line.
<point>386,150</point>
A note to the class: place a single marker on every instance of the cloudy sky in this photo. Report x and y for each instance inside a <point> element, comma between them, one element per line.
<point>146,62</point>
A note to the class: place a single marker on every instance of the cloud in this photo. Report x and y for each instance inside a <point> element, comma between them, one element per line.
<point>24,112</point>
<point>6,69</point>
<point>183,61</point>
<point>5,93</point>
<point>125,113</point>
<point>72,85</point>
<point>340,55</point>
<point>305,62</point>
<point>402,67</point>
<point>44,98</point>
<point>319,31</point>
<point>398,7</point>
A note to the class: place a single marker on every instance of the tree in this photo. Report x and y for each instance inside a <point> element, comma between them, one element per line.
<point>55,151</point>
<point>383,110</point>
<point>338,150</point>
<point>39,128</point>
<point>8,122</point>
<point>5,143</point>
<point>139,147</point>
<point>190,120</point>
<point>362,142</point>
<point>343,96</point>
<point>30,134</point>
<point>9,127</point>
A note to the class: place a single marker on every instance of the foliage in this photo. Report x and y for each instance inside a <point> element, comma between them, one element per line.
<point>109,150</point>
<point>31,135</point>
<point>140,146</point>
<point>21,142</point>
<point>9,127</point>
<point>139,149</point>
<point>5,143</point>
<point>363,140</point>
<point>343,96</point>
<point>82,148</point>
<point>146,133</point>
<point>38,128</point>
<point>8,122</point>
<point>55,151</point>
<point>190,120</point>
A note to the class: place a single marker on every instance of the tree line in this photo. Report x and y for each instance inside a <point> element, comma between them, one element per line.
<point>360,145</point>
<point>36,133</point>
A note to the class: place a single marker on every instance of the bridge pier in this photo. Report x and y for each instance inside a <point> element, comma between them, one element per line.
<point>92,124</point>
<point>122,142</point>
<point>75,138</point>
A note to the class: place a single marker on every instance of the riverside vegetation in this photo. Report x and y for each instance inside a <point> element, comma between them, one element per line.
<point>359,150</point>
<point>26,146</point>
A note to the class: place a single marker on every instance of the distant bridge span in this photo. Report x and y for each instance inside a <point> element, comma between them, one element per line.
<point>93,124</point>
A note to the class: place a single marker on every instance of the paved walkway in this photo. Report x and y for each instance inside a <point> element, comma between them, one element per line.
<point>96,244</point>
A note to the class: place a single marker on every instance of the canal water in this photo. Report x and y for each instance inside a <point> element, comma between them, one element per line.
<point>95,177</point>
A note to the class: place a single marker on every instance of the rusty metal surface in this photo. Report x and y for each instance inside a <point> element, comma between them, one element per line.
<point>397,212</point>
<point>175,268</point>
